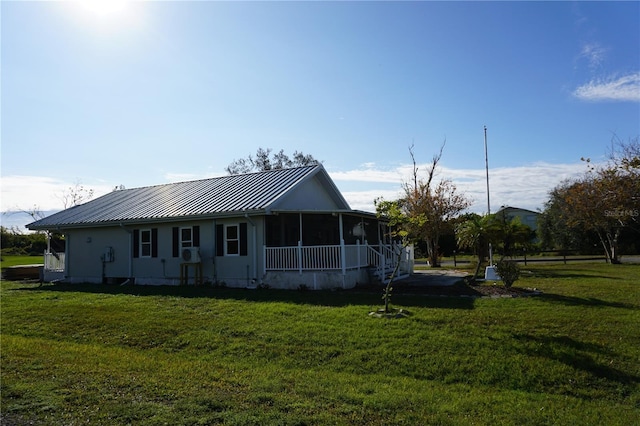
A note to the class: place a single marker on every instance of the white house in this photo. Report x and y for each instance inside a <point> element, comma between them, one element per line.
<point>282,228</point>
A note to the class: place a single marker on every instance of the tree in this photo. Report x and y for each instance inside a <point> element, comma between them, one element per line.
<point>476,233</point>
<point>76,195</point>
<point>604,201</point>
<point>397,221</point>
<point>263,161</point>
<point>428,207</point>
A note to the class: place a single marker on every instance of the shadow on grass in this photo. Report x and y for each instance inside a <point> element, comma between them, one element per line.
<point>584,301</point>
<point>576,354</point>
<point>565,272</point>
<point>336,298</point>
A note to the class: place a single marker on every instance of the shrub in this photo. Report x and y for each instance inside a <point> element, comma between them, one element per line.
<point>509,272</point>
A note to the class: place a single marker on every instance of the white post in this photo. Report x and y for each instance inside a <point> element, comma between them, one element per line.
<point>343,257</point>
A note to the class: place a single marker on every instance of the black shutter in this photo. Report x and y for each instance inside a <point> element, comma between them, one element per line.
<point>196,236</point>
<point>243,239</point>
<point>154,242</point>
<point>219,240</point>
<point>136,243</point>
<point>176,241</point>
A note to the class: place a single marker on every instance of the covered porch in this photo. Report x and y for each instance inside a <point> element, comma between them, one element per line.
<point>344,248</point>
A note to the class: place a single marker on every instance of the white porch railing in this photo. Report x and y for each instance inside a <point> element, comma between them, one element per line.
<point>54,262</point>
<point>331,257</point>
<point>304,258</point>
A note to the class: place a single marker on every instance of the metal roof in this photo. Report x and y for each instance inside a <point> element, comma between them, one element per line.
<point>227,195</point>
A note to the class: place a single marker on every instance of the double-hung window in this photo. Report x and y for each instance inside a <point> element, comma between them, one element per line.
<point>232,240</point>
<point>145,242</point>
<point>186,237</point>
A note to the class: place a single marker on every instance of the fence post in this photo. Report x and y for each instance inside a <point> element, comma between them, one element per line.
<point>454,259</point>
<point>300,257</point>
<point>524,251</point>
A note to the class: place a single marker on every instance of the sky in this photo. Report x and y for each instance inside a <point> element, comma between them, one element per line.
<point>114,93</point>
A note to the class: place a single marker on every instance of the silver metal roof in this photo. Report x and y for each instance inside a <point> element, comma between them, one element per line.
<point>227,195</point>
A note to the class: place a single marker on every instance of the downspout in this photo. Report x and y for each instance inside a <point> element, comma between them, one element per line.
<point>128,231</point>
<point>254,241</point>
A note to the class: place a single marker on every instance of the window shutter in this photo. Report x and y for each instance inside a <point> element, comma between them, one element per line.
<point>176,241</point>
<point>136,243</point>
<point>154,242</point>
<point>219,240</point>
<point>243,239</point>
<point>196,236</point>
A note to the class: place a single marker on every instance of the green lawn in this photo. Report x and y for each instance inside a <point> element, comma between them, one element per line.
<point>93,354</point>
<point>7,261</point>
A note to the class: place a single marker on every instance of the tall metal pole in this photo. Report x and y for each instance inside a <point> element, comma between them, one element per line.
<point>486,162</point>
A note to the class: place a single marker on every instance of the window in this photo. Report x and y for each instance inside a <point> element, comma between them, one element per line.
<point>186,237</point>
<point>232,243</point>
<point>145,243</point>
<point>231,240</point>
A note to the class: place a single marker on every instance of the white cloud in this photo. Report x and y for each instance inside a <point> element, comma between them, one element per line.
<point>625,88</point>
<point>524,186</point>
<point>594,53</point>
<point>44,193</point>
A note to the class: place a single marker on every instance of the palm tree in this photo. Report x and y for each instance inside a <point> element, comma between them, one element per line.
<point>476,233</point>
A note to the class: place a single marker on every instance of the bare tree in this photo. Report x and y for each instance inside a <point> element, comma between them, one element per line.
<point>75,195</point>
<point>264,161</point>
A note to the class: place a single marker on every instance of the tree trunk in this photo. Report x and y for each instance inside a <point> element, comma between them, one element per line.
<point>432,251</point>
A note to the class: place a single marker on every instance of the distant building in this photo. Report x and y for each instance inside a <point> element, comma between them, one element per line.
<point>527,217</point>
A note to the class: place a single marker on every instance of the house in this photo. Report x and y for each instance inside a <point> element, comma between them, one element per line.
<point>281,228</point>
<point>527,217</point>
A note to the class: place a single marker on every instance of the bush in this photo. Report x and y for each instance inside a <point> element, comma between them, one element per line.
<point>509,272</point>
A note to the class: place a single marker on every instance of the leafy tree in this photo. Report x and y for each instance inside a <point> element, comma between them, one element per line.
<point>512,235</point>
<point>264,161</point>
<point>477,232</point>
<point>428,207</point>
<point>604,201</point>
<point>397,221</point>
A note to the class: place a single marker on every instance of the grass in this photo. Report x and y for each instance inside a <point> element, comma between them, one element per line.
<point>7,261</point>
<point>149,355</point>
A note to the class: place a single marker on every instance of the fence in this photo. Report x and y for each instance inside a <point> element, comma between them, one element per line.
<point>540,257</point>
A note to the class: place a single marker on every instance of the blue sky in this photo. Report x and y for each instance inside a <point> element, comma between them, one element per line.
<point>153,92</point>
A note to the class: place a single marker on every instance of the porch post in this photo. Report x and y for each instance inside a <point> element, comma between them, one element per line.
<point>343,257</point>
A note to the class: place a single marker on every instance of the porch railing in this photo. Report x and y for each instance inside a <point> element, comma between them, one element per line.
<point>327,257</point>
<point>54,262</point>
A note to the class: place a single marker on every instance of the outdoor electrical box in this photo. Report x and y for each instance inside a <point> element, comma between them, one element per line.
<point>107,256</point>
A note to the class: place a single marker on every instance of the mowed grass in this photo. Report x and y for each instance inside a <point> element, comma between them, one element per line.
<point>7,261</point>
<point>92,354</point>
